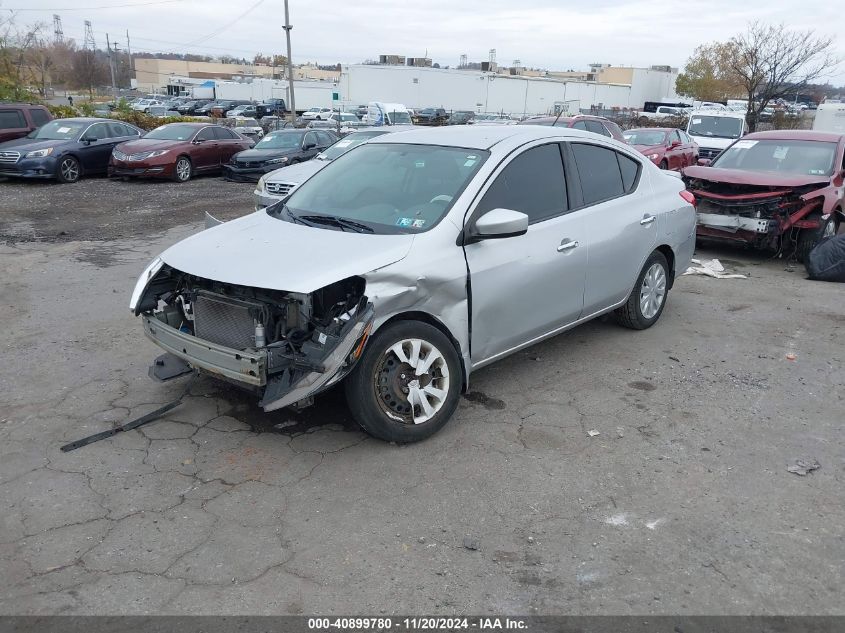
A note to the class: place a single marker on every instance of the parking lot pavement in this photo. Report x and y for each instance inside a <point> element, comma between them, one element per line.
<point>681,504</point>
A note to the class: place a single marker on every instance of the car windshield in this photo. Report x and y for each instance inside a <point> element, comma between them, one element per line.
<point>247,123</point>
<point>346,144</point>
<point>644,137</point>
<point>715,126</point>
<point>400,118</point>
<point>172,132</point>
<point>61,130</point>
<point>386,188</point>
<point>280,141</point>
<point>804,158</point>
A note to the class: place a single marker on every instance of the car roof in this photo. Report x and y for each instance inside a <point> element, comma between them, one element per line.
<point>298,130</point>
<point>650,129</point>
<point>796,135</point>
<point>87,119</point>
<point>191,124</point>
<point>482,136</point>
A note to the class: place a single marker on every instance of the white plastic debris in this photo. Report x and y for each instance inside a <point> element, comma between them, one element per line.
<point>711,268</point>
<point>593,433</point>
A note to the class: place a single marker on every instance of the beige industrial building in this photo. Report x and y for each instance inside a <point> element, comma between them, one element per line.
<point>153,75</point>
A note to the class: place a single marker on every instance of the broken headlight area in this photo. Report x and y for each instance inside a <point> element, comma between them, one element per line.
<point>287,346</point>
<point>759,215</point>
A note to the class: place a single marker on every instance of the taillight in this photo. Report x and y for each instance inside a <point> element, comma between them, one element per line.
<point>687,195</point>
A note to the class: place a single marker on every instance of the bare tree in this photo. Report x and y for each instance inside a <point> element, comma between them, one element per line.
<point>772,62</point>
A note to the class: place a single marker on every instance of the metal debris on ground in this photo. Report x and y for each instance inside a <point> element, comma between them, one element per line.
<point>803,466</point>
<point>472,543</point>
<point>712,268</point>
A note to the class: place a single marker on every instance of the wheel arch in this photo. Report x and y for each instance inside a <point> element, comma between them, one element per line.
<point>425,317</point>
<point>669,254</point>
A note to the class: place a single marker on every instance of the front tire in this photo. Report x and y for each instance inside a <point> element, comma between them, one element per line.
<point>809,238</point>
<point>407,385</point>
<point>664,165</point>
<point>68,170</point>
<point>183,169</point>
<point>648,298</point>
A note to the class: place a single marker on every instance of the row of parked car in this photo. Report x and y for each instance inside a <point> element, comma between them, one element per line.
<point>186,106</point>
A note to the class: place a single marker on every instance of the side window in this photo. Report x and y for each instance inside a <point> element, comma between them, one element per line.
<point>598,170</point>
<point>325,139</point>
<point>11,119</point>
<point>597,127</point>
<point>674,136</point>
<point>224,134</point>
<point>630,169</point>
<point>532,183</point>
<point>580,125</point>
<point>310,137</point>
<point>115,130</point>
<point>97,131</point>
<point>39,117</point>
<point>206,134</point>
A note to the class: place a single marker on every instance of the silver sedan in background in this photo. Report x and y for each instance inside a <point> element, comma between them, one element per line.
<point>418,257</point>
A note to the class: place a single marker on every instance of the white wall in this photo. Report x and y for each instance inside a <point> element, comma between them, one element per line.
<point>473,90</point>
<point>652,85</point>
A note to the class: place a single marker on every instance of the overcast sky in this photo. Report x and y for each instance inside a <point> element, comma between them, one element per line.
<point>561,35</point>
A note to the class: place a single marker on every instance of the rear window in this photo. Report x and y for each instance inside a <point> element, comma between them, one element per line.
<point>598,170</point>
<point>11,120</point>
<point>39,116</point>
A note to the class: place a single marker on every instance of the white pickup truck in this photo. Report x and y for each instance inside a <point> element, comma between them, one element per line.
<point>662,112</point>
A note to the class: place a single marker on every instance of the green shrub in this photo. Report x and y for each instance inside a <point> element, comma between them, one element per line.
<point>62,111</point>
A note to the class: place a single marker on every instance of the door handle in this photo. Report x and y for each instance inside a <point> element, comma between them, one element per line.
<point>648,219</point>
<point>566,245</point>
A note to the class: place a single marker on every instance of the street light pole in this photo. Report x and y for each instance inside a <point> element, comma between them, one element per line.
<point>287,27</point>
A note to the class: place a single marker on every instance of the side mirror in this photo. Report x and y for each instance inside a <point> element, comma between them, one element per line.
<point>307,146</point>
<point>198,141</point>
<point>704,162</point>
<point>674,144</point>
<point>498,224</point>
<point>88,139</point>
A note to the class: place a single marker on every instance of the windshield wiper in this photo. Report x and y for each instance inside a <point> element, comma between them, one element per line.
<point>278,208</point>
<point>341,223</point>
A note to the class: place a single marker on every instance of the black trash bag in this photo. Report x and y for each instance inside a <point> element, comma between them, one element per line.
<point>826,262</point>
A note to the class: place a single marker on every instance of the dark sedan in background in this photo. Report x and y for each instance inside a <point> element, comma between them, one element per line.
<point>586,122</point>
<point>277,149</point>
<point>668,148</point>
<point>177,151</point>
<point>65,149</point>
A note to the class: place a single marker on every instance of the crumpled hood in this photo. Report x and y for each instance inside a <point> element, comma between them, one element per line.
<point>297,174</point>
<point>758,178</point>
<point>264,252</point>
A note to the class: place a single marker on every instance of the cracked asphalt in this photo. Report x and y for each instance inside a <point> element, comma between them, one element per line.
<point>680,504</point>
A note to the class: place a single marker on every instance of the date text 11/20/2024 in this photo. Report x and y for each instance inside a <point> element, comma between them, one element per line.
<point>417,624</point>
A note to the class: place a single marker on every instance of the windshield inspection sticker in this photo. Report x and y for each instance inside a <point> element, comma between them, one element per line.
<point>696,121</point>
<point>63,130</point>
<point>420,163</point>
<point>780,152</point>
<point>404,221</point>
<point>744,144</point>
<point>418,224</point>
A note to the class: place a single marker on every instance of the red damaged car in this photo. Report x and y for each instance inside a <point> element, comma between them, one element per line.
<point>666,147</point>
<point>780,190</point>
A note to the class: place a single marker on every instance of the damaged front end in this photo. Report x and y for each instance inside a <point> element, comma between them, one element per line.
<point>285,346</point>
<point>764,216</point>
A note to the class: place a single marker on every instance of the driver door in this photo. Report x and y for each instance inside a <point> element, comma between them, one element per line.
<point>94,155</point>
<point>206,150</point>
<point>527,286</point>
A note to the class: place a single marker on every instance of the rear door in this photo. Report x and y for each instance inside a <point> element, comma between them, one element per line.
<point>526,286</point>
<point>228,144</point>
<point>614,201</point>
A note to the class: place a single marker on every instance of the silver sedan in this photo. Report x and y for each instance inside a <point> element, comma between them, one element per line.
<point>415,259</point>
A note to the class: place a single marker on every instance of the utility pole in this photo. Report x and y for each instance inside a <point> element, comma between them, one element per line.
<point>287,27</point>
<point>111,68</point>
<point>129,54</point>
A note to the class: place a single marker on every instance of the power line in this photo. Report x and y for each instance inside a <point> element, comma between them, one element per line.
<point>110,6</point>
<point>225,26</point>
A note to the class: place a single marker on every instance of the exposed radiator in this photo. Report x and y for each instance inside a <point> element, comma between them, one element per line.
<point>225,321</point>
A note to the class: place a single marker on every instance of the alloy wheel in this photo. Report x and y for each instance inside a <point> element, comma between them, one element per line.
<point>70,170</point>
<point>411,381</point>
<point>183,169</point>
<point>652,291</point>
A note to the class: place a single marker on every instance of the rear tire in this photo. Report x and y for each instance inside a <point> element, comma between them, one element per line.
<point>387,396</point>
<point>648,298</point>
<point>809,238</point>
<point>664,165</point>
